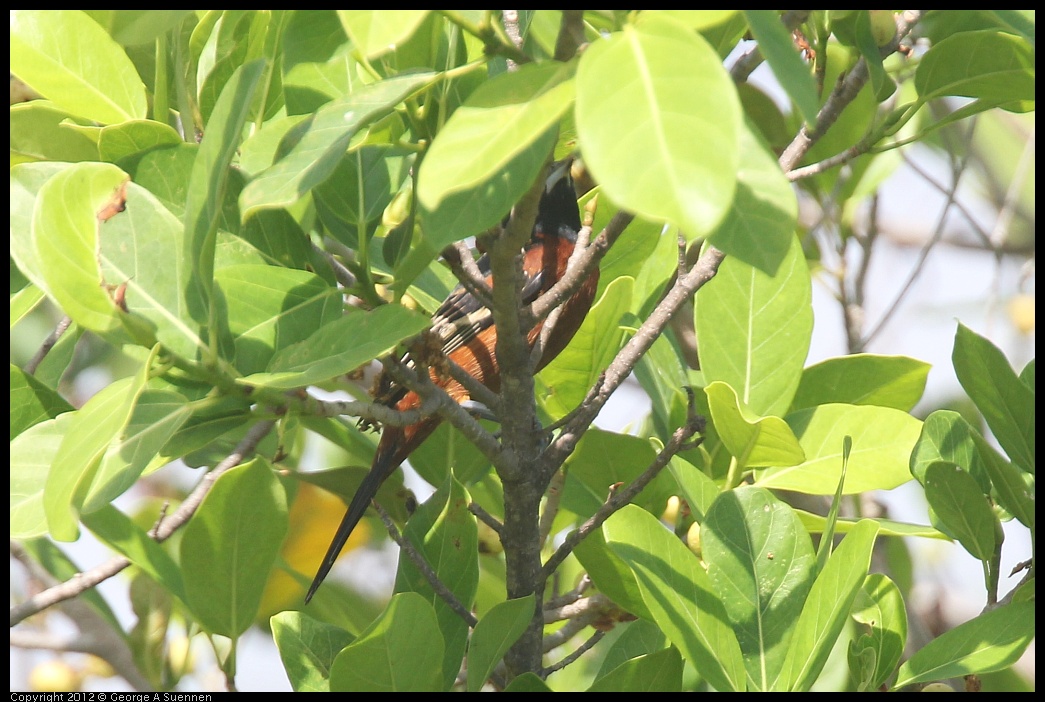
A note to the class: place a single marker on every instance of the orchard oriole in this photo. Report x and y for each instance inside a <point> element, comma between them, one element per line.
<point>468,335</point>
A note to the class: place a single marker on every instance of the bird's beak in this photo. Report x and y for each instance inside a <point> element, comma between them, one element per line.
<point>560,169</point>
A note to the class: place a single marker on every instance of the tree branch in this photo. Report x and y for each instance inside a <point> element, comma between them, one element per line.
<point>419,561</point>
<point>81,582</point>
<point>693,425</point>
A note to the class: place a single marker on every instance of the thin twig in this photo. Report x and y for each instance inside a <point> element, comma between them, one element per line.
<point>485,517</point>
<point>584,648</point>
<point>958,170</point>
<point>47,345</point>
<point>621,497</point>
<point>419,561</point>
<point>82,582</point>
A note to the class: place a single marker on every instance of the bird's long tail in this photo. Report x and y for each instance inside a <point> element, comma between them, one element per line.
<point>356,509</point>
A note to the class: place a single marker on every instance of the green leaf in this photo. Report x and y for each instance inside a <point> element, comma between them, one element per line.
<point>753,330</point>
<point>962,508</point>
<point>637,639</point>
<point>679,595</point>
<point>946,436</point>
<point>494,635</point>
<point>883,439</point>
<point>527,682</point>
<point>227,551</point>
<point>271,308</point>
<point>778,48</point>
<point>863,379</point>
<point>136,27</point>
<point>762,564</point>
<point>756,442</point>
<point>401,652</point>
<point>156,416</point>
<point>595,344</point>
<point>323,142</point>
<point>880,615</point>
<point>698,489</point>
<point>340,347</point>
<point>760,225</point>
<point>603,459</point>
<point>445,532</point>
<point>40,130</point>
<point>653,672</point>
<point>375,32</point>
<point>826,609</point>
<point>664,141</point>
<point>611,574</point>
<point>1010,489</point>
<point>206,190</point>
<point>26,180</point>
<point>65,56</point>
<point>74,470</point>
<point>985,64</point>
<point>65,234</point>
<point>992,641</point>
<point>32,402</point>
<point>1006,402</point>
<point>142,251</point>
<point>491,150</point>
<point>32,454</point>
<point>307,648</point>
<point>116,529</point>
<point>134,137</point>
<point>817,524</point>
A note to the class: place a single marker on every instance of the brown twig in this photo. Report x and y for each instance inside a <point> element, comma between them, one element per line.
<point>419,561</point>
<point>82,582</point>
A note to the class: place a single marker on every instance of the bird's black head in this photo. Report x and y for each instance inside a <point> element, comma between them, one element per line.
<point>557,212</point>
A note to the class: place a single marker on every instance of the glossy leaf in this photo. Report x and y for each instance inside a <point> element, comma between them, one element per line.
<point>227,552</point>
<point>206,190</point>
<point>778,48</point>
<point>881,619</point>
<point>340,347</point>
<point>760,225</point>
<point>323,142</point>
<point>75,465</point>
<point>987,64</point>
<point>32,454</point>
<point>883,439</point>
<point>962,507</point>
<point>598,340</point>
<point>946,436</point>
<point>679,595</point>
<point>753,330</point>
<point>652,672</point>
<point>307,648</point>
<point>762,564</point>
<point>1006,402</point>
<point>401,652</point>
<point>445,532</point>
<point>992,641</point>
<point>667,147</point>
<point>494,635</point>
<point>756,442</point>
<point>491,150</point>
<point>67,57</point>
<point>65,235</point>
<point>32,402</point>
<point>1010,488</point>
<point>271,308</point>
<point>826,609</point>
<point>863,379</point>
<point>375,32</point>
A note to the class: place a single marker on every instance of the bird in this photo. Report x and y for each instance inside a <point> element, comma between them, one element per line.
<point>468,336</point>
